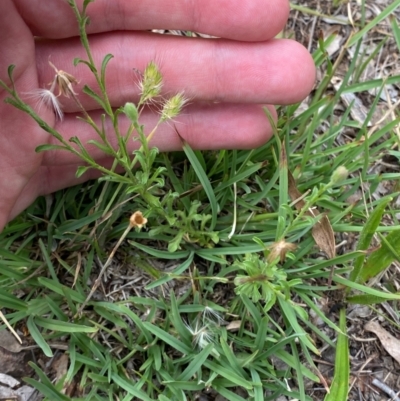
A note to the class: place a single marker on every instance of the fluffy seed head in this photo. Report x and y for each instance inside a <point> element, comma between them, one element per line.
<point>280,248</point>
<point>49,99</point>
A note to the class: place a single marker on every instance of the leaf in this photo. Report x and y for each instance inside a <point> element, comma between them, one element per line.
<point>366,299</point>
<point>366,235</point>
<point>66,327</point>
<point>37,336</point>
<point>396,30</point>
<point>324,236</point>
<point>130,387</point>
<point>168,338</point>
<point>90,92</point>
<point>380,259</point>
<point>81,170</point>
<point>196,363</point>
<point>340,384</point>
<point>322,232</point>
<point>106,59</point>
<point>46,147</point>
<point>380,17</point>
<point>205,182</point>
<point>103,147</point>
<point>169,276</point>
<point>390,343</point>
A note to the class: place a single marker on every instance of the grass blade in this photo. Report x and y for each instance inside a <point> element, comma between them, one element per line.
<point>340,385</point>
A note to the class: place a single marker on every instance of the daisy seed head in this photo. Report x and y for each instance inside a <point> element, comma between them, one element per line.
<point>64,82</point>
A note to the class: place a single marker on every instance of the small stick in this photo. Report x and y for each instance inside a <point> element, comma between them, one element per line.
<point>136,220</point>
<point>385,388</point>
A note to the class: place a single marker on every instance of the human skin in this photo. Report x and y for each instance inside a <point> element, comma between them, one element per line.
<point>228,80</point>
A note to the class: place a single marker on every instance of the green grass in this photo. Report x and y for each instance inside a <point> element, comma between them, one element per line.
<point>214,219</point>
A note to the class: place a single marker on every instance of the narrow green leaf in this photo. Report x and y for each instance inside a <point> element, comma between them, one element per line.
<point>88,91</point>
<point>64,327</point>
<point>380,259</point>
<point>160,254</point>
<point>81,170</point>
<point>228,374</point>
<point>106,59</point>
<point>365,299</point>
<point>60,289</point>
<point>231,358</point>
<point>170,276</point>
<point>103,147</point>
<point>176,320</point>
<point>290,315</point>
<point>365,289</point>
<point>124,310</point>
<point>11,302</point>
<point>46,147</point>
<point>229,395</point>
<point>130,387</point>
<point>371,84</point>
<point>261,333</point>
<point>366,235</point>
<point>205,182</point>
<point>380,17</point>
<point>37,336</point>
<point>340,384</point>
<point>48,391</point>
<point>196,363</point>
<point>74,225</point>
<point>168,338</point>
<point>396,30</point>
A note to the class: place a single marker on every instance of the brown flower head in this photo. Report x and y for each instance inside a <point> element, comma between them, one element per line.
<point>137,220</point>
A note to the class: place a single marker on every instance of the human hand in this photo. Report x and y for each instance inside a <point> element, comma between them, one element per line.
<point>228,80</point>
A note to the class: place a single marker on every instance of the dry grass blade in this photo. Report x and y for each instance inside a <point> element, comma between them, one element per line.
<point>322,232</point>
<point>15,334</point>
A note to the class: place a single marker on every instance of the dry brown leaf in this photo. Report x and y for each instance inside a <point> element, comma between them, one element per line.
<point>60,365</point>
<point>324,236</point>
<point>322,232</point>
<point>8,342</point>
<point>390,343</point>
<point>294,194</point>
<point>234,325</point>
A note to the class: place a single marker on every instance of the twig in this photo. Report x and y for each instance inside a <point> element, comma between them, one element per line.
<point>385,388</point>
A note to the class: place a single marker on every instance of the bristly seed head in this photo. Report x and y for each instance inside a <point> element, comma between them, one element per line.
<point>151,84</point>
<point>173,106</point>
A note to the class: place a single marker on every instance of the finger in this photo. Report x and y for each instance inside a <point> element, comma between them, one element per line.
<point>253,20</point>
<point>273,72</point>
<point>220,126</point>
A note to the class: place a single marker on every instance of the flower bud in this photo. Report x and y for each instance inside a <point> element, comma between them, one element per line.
<point>339,174</point>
